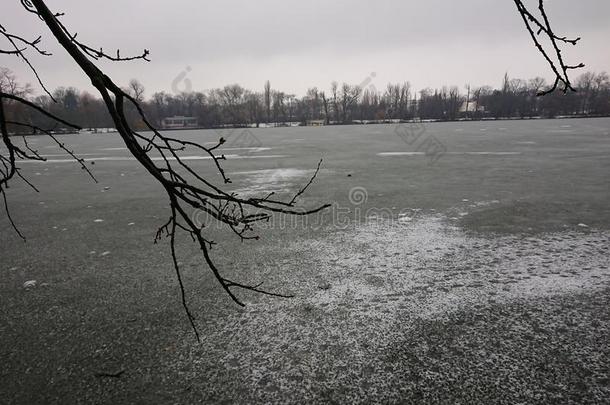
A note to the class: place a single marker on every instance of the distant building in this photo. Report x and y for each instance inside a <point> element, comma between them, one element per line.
<point>471,106</point>
<point>179,121</point>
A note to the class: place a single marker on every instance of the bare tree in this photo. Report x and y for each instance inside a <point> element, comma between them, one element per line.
<point>334,90</point>
<point>312,103</point>
<point>137,90</point>
<point>9,84</point>
<point>403,99</point>
<point>453,105</point>
<point>391,97</point>
<point>537,84</point>
<point>232,97</point>
<point>325,103</point>
<point>267,100</point>
<point>8,81</point>
<point>279,107</point>
<point>349,98</point>
<point>253,107</point>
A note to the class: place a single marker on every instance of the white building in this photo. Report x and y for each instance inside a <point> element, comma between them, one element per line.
<point>179,121</point>
<point>471,106</point>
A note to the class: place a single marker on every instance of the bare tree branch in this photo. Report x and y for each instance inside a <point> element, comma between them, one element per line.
<point>537,26</point>
<point>61,145</point>
<point>186,189</point>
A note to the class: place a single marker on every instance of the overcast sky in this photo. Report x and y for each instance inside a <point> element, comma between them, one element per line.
<point>306,43</point>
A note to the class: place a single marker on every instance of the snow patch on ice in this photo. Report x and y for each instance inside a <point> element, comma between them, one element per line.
<point>271,180</point>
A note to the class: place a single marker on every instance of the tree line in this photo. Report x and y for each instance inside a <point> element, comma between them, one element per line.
<point>234,105</point>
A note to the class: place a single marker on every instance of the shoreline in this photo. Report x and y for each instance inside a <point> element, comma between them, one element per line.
<point>353,123</point>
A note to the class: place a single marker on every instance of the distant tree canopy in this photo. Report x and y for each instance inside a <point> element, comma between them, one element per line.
<point>234,105</point>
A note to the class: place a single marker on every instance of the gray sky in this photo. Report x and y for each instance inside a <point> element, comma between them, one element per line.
<point>306,43</point>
